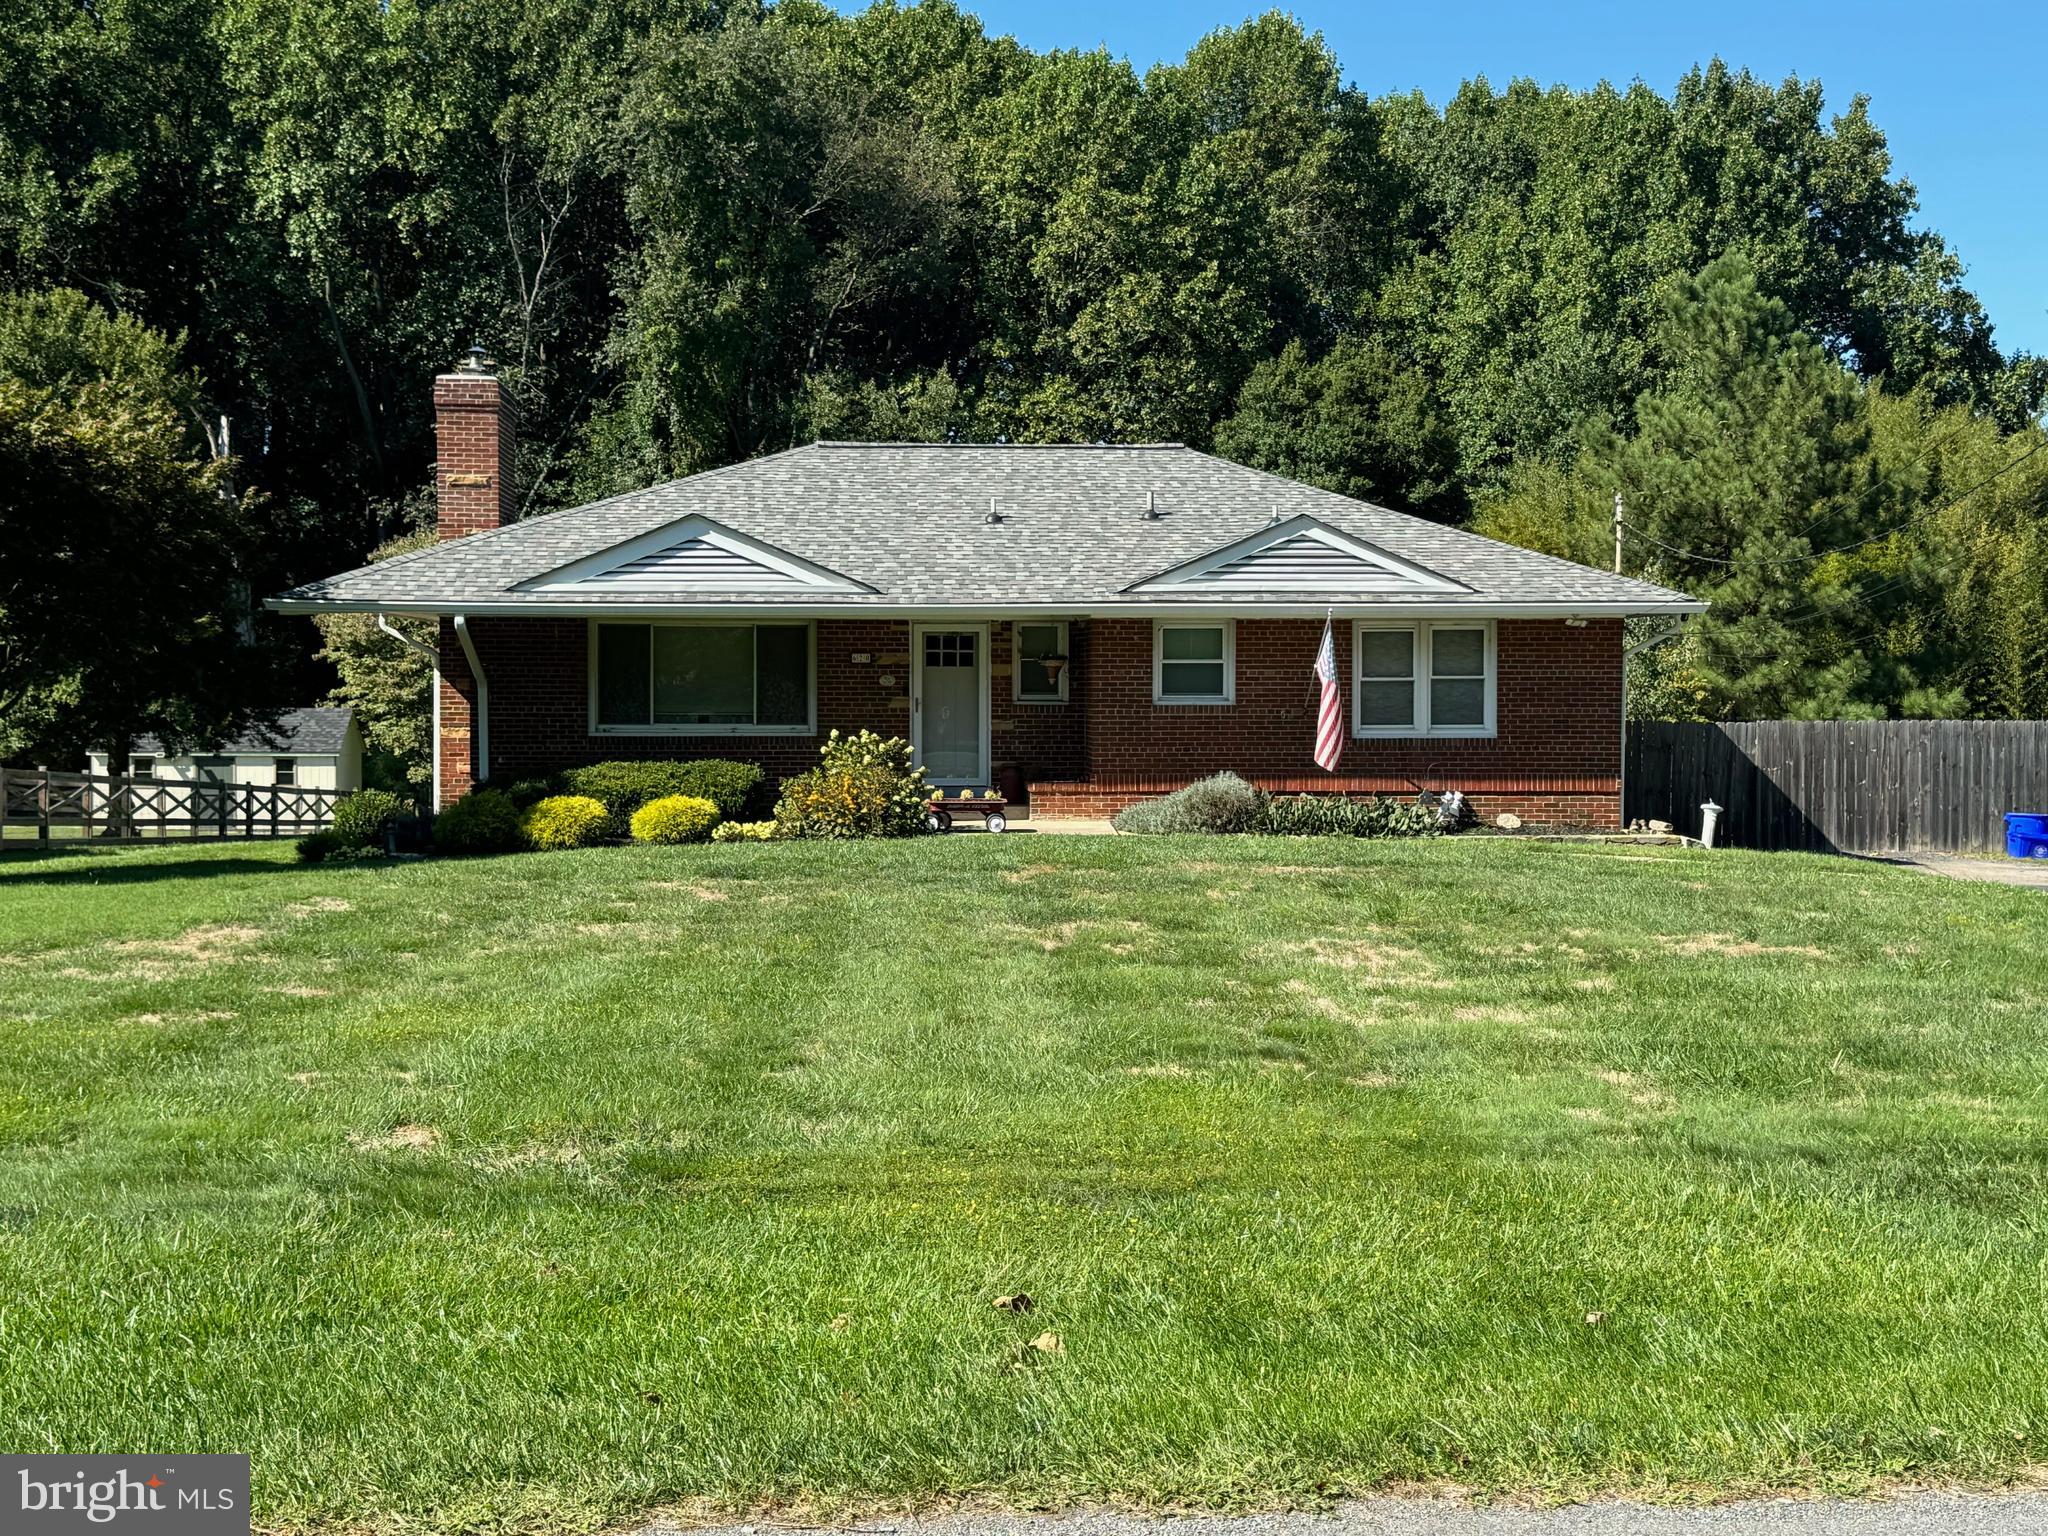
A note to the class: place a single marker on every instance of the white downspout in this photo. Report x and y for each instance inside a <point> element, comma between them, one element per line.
<point>408,642</point>
<point>481,725</point>
<point>436,785</point>
<point>433,655</point>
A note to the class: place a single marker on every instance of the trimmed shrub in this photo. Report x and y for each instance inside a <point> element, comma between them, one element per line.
<point>525,793</point>
<point>1335,816</point>
<point>743,832</point>
<point>1222,803</point>
<point>319,847</point>
<point>362,819</point>
<point>412,833</point>
<point>737,789</point>
<point>675,819</point>
<point>863,786</point>
<point>563,821</point>
<point>482,821</point>
<point>622,788</point>
<point>626,786</point>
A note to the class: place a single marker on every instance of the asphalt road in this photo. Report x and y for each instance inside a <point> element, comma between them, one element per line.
<point>1923,1514</point>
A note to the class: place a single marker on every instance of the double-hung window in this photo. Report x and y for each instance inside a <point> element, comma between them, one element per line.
<point>1427,678</point>
<point>1036,681</point>
<point>287,771</point>
<point>702,679</point>
<point>1194,661</point>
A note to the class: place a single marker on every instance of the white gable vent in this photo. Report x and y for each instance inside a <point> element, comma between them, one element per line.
<point>695,555</point>
<point>1299,555</point>
<point>1301,562</point>
<point>695,563</point>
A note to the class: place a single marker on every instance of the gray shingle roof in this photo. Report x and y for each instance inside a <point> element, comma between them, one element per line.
<point>306,732</point>
<point>906,520</point>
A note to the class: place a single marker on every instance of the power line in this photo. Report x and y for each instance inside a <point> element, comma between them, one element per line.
<point>1814,611</point>
<point>1913,463</point>
<point>1891,480</point>
<point>1841,549</point>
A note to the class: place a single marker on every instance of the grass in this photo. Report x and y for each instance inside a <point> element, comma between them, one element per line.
<point>536,1191</point>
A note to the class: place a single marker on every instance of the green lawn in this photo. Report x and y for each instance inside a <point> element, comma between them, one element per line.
<point>540,1190</point>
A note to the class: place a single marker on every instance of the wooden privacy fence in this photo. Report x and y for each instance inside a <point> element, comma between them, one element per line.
<point>106,808</point>
<point>1885,786</point>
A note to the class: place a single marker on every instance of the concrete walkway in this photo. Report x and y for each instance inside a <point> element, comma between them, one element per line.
<point>1919,1514</point>
<point>2028,872</point>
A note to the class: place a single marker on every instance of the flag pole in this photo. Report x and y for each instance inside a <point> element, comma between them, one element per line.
<point>1329,737</point>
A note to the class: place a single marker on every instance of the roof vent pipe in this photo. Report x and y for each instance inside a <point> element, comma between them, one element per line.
<point>1151,506</point>
<point>1276,513</point>
<point>993,515</point>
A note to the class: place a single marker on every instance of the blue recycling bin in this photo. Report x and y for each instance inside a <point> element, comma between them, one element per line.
<point>2026,834</point>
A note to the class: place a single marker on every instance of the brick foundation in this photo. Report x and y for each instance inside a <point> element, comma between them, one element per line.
<point>1555,760</point>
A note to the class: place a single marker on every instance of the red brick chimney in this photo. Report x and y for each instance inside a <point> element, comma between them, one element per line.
<point>477,431</point>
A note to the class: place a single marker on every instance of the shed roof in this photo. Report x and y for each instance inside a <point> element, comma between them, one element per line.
<point>319,731</point>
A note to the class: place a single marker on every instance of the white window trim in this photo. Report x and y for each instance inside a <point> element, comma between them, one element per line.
<point>1017,693</point>
<point>808,728</point>
<point>1159,629</point>
<point>1424,631</point>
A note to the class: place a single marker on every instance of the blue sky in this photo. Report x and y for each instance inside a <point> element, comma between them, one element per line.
<point>1956,88</point>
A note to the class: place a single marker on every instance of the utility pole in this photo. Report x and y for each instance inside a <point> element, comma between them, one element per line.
<point>1617,533</point>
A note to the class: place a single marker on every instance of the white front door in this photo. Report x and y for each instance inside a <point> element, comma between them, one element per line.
<point>949,703</point>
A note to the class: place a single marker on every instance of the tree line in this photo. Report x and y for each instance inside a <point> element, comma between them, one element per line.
<point>692,233</point>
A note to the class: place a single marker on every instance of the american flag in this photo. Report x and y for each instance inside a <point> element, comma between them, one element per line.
<point>1330,717</point>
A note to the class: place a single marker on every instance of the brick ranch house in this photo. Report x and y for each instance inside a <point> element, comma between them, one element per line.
<point>1082,625</point>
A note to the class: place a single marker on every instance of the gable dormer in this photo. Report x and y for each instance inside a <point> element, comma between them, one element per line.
<point>691,556</point>
<point>1300,554</point>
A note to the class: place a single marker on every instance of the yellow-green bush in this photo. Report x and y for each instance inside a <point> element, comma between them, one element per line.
<point>743,832</point>
<point>675,819</point>
<point>563,821</point>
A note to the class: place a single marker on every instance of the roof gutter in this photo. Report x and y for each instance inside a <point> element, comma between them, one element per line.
<point>628,611</point>
<point>482,724</point>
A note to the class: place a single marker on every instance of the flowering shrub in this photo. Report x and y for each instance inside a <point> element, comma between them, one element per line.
<point>563,821</point>
<point>743,832</point>
<point>482,821</point>
<point>675,819</point>
<point>863,786</point>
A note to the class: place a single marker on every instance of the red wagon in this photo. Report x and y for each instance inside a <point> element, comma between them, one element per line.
<point>939,813</point>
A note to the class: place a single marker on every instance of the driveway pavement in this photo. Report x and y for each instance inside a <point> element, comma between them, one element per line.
<point>2030,872</point>
<point>1922,1514</point>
